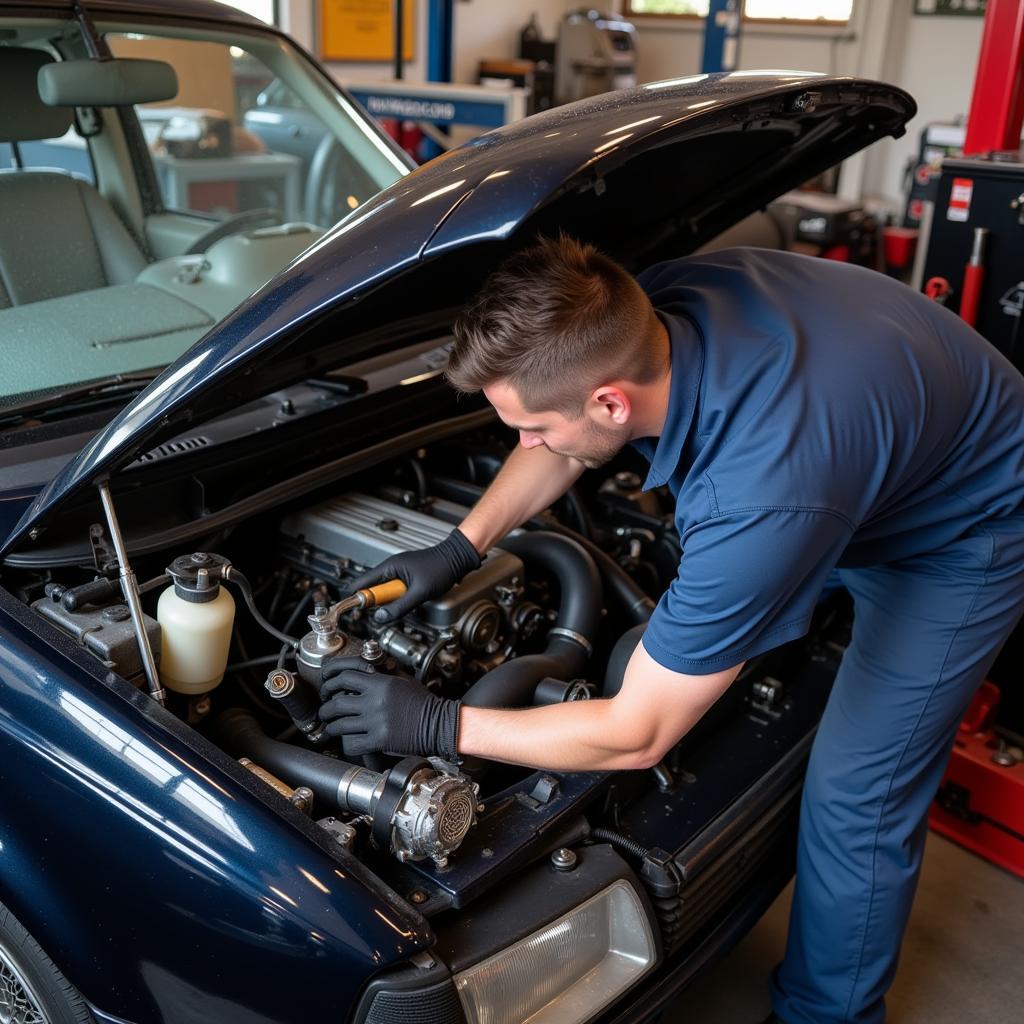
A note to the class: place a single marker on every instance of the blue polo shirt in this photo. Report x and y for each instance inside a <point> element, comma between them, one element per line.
<point>821,415</point>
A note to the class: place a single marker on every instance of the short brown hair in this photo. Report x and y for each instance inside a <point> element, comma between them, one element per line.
<point>555,321</point>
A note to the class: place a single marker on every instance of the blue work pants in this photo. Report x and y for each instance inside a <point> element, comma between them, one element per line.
<point>925,633</point>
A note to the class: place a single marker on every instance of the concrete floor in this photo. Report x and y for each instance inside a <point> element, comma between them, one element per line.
<point>962,961</point>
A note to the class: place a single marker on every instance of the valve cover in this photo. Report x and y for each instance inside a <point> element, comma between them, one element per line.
<point>344,535</point>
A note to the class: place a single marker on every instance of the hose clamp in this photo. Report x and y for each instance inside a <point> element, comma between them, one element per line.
<point>571,634</point>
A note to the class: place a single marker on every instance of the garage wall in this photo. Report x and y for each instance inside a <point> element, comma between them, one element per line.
<point>667,48</point>
<point>483,28</point>
<point>490,28</point>
<point>298,19</point>
<point>936,65</point>
<point>933,58</point>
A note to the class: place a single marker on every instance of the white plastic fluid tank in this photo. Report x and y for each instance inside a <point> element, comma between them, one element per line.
<point>196,635</point>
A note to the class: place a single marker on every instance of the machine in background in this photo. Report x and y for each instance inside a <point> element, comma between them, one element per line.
<point>937,142</point>
<point>596,53</point>
<point>974,262</point>
<point>977,245</point>
<point>974,251</point>
<point>980,803</point>
<point>829,226</point>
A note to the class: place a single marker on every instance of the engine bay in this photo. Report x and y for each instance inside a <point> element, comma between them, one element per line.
<point>243,627</point>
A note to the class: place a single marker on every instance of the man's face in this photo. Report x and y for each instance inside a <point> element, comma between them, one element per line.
<point>593,439</point>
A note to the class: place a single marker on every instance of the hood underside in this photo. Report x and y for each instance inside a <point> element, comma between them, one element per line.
<point>645,174</point>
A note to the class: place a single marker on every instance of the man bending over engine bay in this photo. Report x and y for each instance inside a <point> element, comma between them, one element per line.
<point>807,416</point>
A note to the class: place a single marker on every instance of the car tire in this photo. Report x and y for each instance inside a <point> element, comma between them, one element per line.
<point>32,988</point>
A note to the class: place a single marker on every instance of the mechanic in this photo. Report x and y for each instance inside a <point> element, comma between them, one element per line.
<point>807,416</point>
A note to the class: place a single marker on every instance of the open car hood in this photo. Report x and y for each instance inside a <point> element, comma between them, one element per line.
<point>645,174</point>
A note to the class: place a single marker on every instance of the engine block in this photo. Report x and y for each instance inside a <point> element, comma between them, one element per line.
<point>344,535</point>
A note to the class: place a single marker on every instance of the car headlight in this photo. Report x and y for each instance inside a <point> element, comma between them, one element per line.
<point>568,970</point>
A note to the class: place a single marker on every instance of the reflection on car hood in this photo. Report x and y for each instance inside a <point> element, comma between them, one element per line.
<point>644,173</point>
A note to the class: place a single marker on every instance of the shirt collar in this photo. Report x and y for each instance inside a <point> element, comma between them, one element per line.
<point>687,348</point>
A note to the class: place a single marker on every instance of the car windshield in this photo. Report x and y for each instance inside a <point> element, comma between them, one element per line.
<point>127,232</point>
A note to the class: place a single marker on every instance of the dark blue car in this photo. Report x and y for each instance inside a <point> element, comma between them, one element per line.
<point>216,409</point>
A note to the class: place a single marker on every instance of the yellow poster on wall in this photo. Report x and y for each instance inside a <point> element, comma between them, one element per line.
<point>364,29</point>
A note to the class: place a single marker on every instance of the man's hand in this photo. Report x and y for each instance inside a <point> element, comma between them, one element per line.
<point>372,711</point>
<point>427,573</point>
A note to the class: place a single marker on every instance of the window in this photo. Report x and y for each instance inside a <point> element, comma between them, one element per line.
<point>798,10</point>
<point>238,138</point>
<point>68,153</point>
<point>671,8</point>
<point>753,10</point>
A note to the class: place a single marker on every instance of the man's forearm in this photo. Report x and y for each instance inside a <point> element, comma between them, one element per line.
<point>576,736</point>
<point>633,729</point>
<point>530,480</point>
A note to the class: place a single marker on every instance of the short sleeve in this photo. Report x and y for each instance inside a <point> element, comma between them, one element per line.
<point>748,581</point>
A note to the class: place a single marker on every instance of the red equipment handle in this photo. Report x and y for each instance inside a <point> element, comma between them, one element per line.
<point>974,275</point>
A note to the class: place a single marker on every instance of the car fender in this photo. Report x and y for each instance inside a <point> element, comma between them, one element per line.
<point>153,870</point>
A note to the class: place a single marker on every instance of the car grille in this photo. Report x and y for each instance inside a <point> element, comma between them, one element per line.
<point>704,897</point>
<point>436,1004</point>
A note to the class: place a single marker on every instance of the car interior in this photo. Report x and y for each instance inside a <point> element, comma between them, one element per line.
<point>146,194</point>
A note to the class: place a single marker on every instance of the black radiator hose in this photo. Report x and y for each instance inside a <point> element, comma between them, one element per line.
<point>243,736</point>
<point>630,595</point>
<point>620,585</point>
<point>512,684</point>
<point>615,672</point>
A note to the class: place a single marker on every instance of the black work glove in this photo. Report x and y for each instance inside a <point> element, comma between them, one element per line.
<point>373,711</point>
<point>427,573</point>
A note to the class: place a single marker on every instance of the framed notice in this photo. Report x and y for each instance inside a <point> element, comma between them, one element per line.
<point>363,30</point>
<point>945,8</point>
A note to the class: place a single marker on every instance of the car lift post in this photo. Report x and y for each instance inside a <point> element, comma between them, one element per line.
<point>997,105</point>
<point>722,36</point>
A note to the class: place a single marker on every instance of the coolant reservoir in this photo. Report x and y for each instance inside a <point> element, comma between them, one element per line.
<point>196,615</point>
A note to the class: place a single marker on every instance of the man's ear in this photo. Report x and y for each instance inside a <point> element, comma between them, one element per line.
<point>610,404</point>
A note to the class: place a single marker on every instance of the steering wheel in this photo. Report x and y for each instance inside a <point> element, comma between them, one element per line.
<point>334,181</point>
<point>264,216</point>
<point>322,183</point>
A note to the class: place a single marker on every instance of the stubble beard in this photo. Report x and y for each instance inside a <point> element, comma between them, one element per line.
<point>600,447</point>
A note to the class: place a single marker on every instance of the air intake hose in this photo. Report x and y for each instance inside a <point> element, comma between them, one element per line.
<point>330,779</point>
<point>569,642</point>
<point>636,605</point>
<point>416,811</point>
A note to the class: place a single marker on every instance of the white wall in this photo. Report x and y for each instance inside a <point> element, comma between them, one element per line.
<point>934,59</point>
<point>490,28</point>
<point>936,65</point>
<point>668,49</point>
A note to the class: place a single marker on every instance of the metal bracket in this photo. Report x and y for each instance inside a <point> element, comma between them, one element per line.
<point>103,559</point>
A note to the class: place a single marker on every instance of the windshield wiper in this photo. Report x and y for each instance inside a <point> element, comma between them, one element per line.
<point>63,401</point>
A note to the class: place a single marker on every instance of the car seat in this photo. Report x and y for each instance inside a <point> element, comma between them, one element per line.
<point>58,235</point>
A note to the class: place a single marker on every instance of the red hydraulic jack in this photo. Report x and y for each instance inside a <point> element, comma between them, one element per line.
<point>980,803</point>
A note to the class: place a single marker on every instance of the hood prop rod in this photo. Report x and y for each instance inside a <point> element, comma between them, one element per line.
<point>130,589</point>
